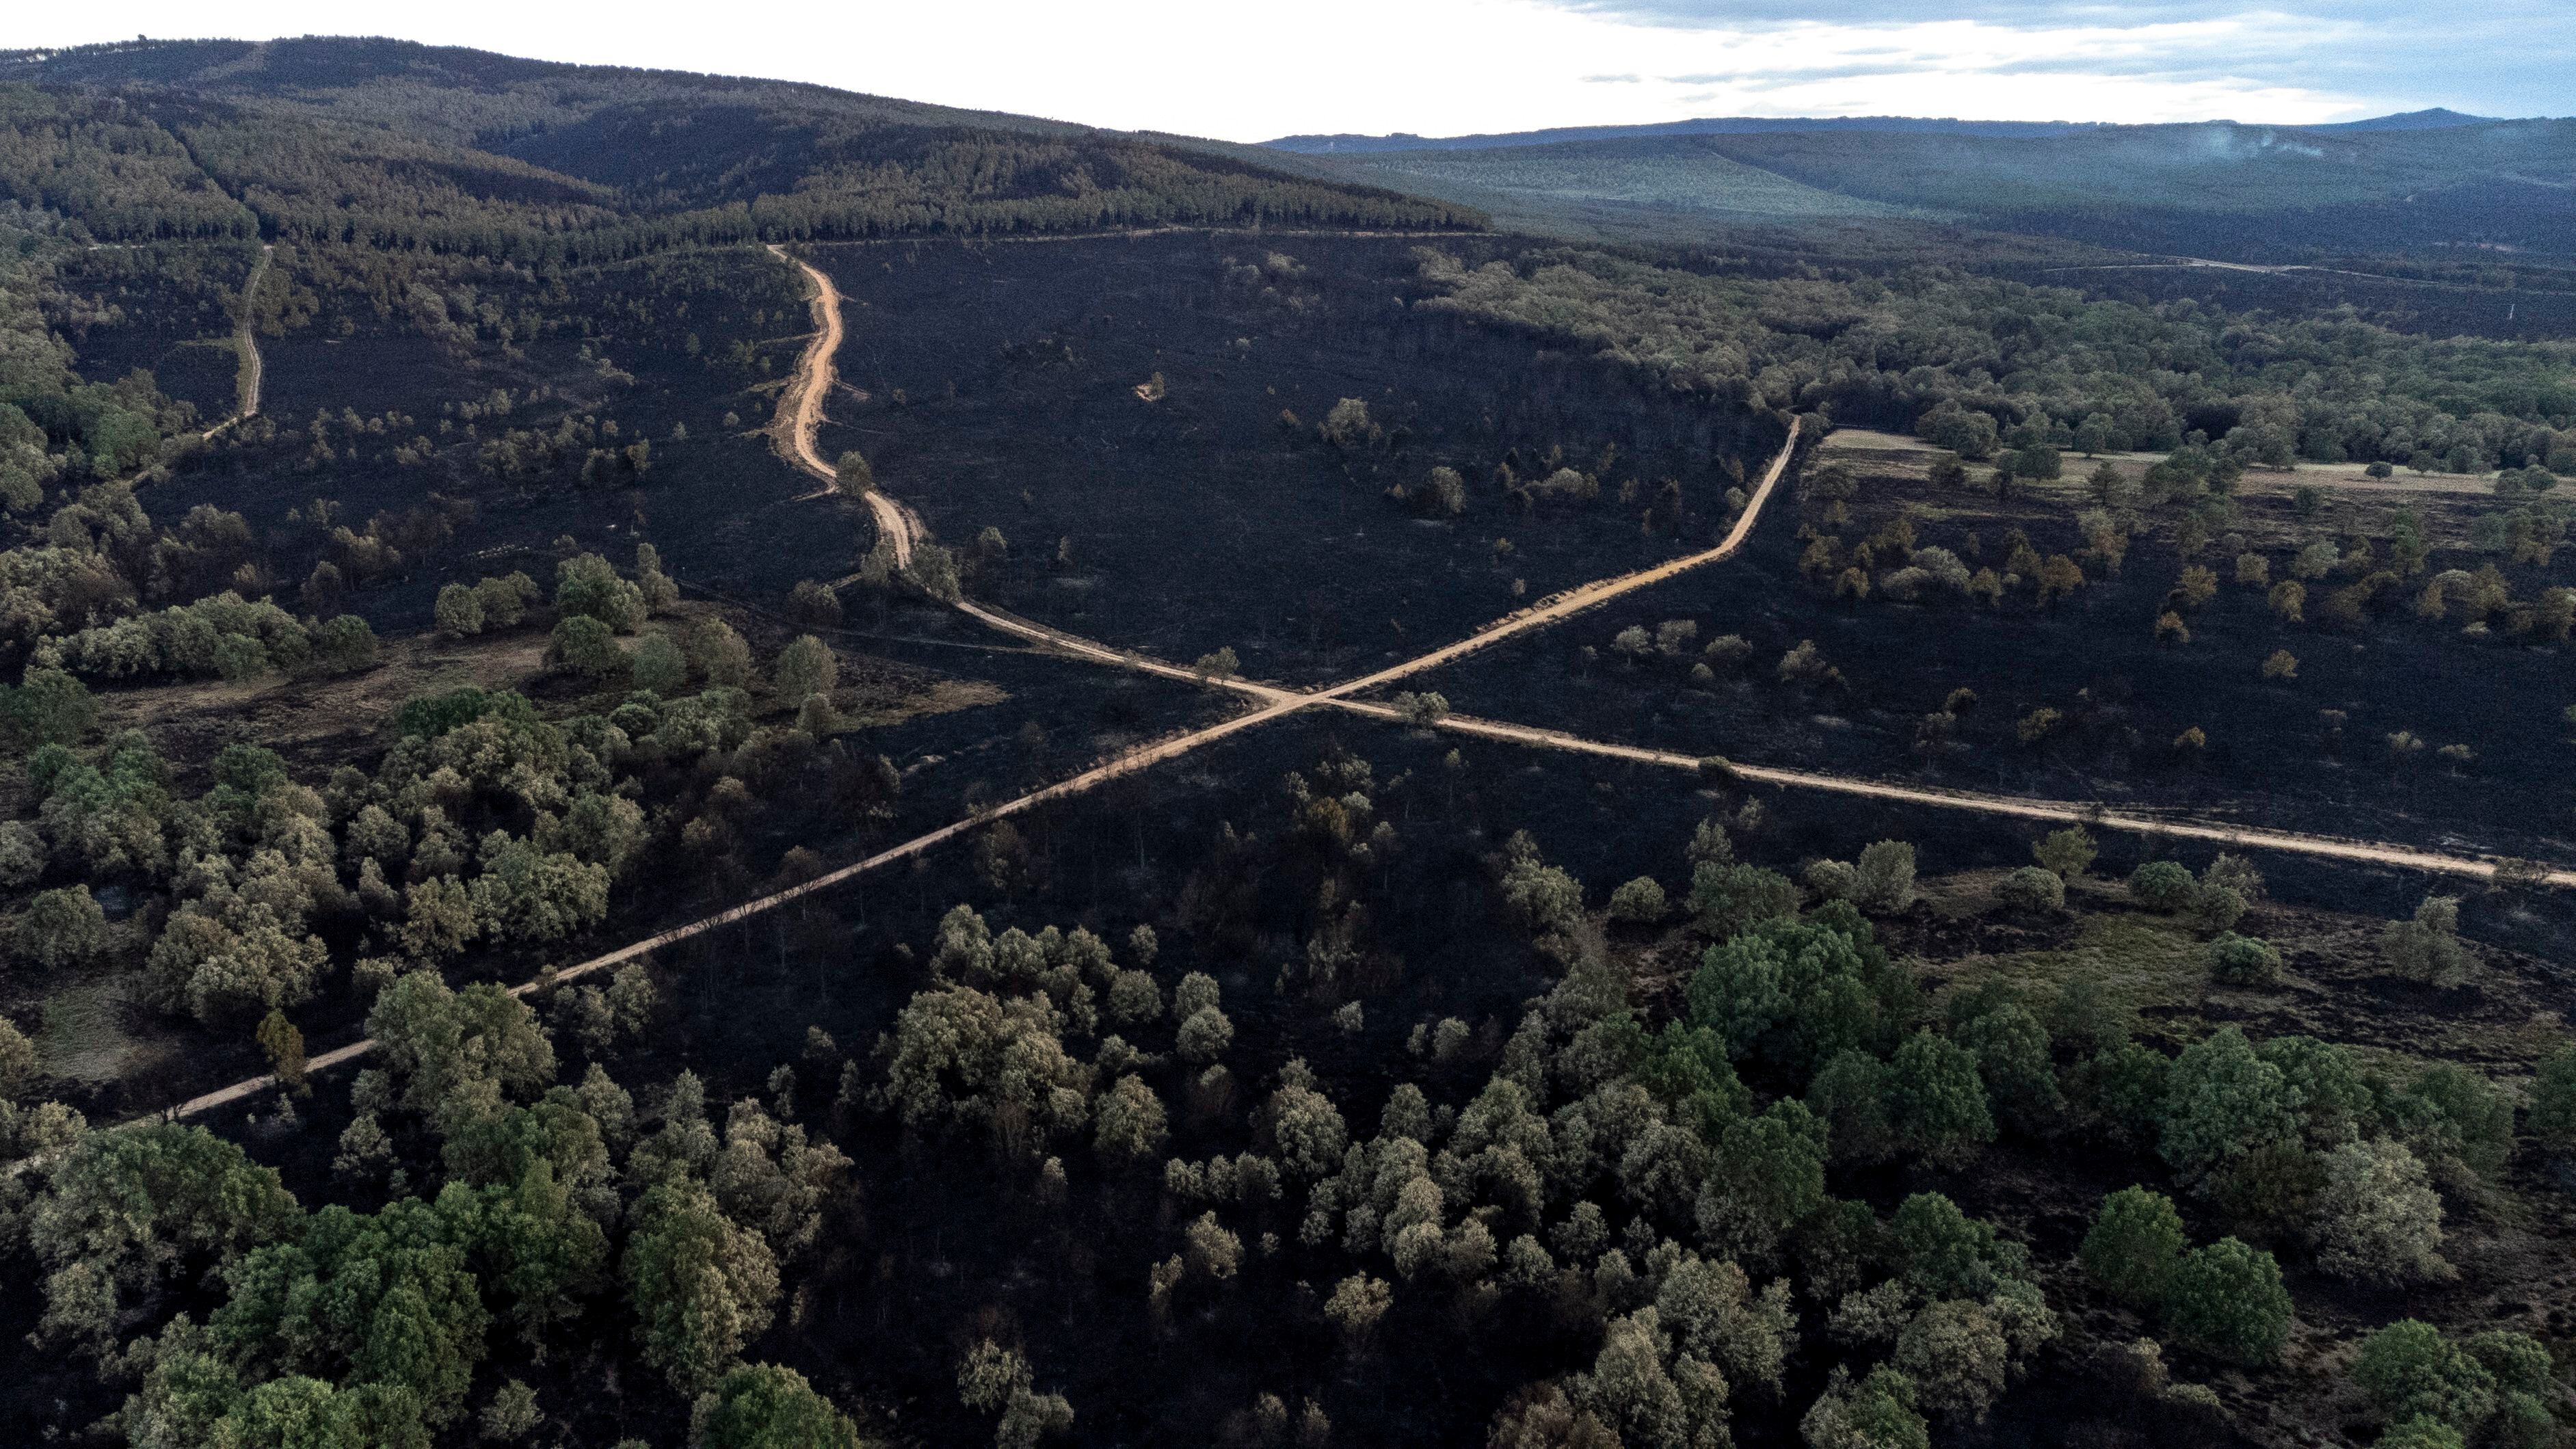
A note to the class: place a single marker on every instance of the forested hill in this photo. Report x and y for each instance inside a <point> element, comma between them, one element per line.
<point>392,144</point>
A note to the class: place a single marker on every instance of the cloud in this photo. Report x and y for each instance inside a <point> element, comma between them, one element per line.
<point>2385,55</point>
<point>1613,80</point>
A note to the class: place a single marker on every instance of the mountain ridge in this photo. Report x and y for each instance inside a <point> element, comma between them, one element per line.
<point>1349,143</point>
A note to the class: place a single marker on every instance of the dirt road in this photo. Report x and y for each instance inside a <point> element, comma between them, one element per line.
<point>2062,812</point>
<point>800,410</point>
<point>1573,601</point>
<point>246,379</point>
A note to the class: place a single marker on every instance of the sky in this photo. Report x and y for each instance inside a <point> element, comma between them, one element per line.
<point>1245,72</point>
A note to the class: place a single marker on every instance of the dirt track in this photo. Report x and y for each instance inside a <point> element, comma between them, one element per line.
<point>2066,812</point>
<point>800,410</point>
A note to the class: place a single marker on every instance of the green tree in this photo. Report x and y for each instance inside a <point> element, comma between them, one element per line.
<point>2409,1369</point>
<point>2012,1052</point>
<point>588,585</point>
<point>384,1299</point>
<point>2236,960</point>
<point>456,1053</point>
<point>701,1286</point>
<point>1773,1178</point>
<point>47,707</point>
<point>1640,901</point>
<point>2161,885</point>
<point>2427,948</point>
<point>20,1064</point>
<point>459,611</point>
<point>769,1406</point>
<point>585,646</point>
<point>2378,1220</point>
<point>659,665</point>
<point>127,1210</point>
<point>1948,1254</point>
<point>2222,1100</point>
<point>852,475</point>
<point>2553,1101</point>
<point>2136,1243</point>
<point>1937,1103</point>
<point>1957,1357</point>
<point>1129,1121</point>
<point>1726,898</point>
<point>546,1252</point>
<point>284,1046</point>
<point>805,667</point>
<point>1885,882</point>
<point>996,1380</point>
<point>2226,1300</point>
<point>2032,889</point>
<point>62,927</point>
<point>1876,1413</point>
<point>2067,853</point>
<point>1850,1095</point>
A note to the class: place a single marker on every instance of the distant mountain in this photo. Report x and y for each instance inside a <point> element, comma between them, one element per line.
<point>1707,126</point>
<point>2436,119</point>
<point>2215,189</point>
<point>1346,144</point>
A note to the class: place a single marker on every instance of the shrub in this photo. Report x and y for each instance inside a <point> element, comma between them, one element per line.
<point>2427,948</point>
<point>345,643</point>
<point>1422,710</point>
<point>1725,899</point>
<point>2226,1300</point>
<point>2032,889</point>
<point>1833,880</point>
<point>62,927</point>
<point>1640,900</point>
<point>2161,885</point>
<point>805,667</point>
<point>1885,879</point>
<point>2135,1245</point>
<point>1948,1254</point>
<point>587,584</point>
<point>585,646</point>
<point>2215,907</point>
<point>459,611</point>
<point>2236,960</point>
<point>659,665</point>
<point>505,600</point>
<point>2377,1220</point>
<point>2409,1369</point>
<point>2281,665</point>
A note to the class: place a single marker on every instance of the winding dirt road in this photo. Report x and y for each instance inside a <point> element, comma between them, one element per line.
<point>800,414</point>
<point>800,409</point>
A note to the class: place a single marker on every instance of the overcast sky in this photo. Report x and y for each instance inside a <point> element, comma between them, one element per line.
<point>1250,72</point>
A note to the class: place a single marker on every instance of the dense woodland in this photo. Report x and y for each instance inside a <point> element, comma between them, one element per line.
<point>1349,1083</point>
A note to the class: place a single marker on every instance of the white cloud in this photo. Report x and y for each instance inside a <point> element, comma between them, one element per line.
<point>1434,66</point>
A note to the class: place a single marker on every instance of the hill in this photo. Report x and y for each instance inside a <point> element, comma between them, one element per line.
<point>399,145</point>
